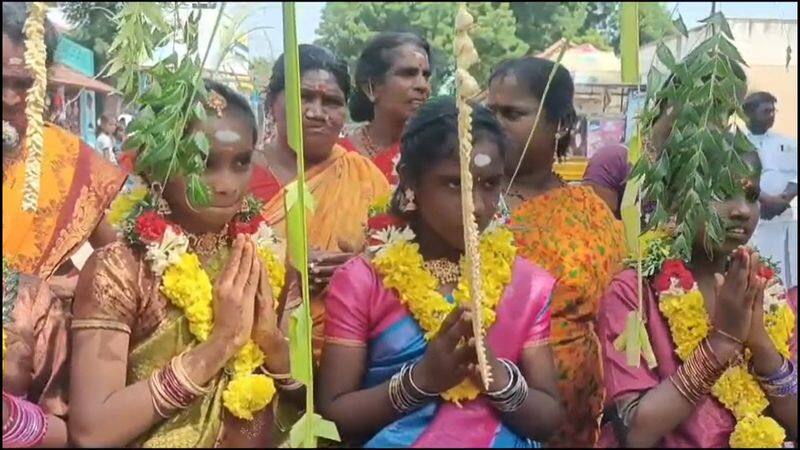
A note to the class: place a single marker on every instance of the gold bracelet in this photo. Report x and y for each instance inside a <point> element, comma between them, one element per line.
<point>185,380</point>
<point>275,376</point>
<point>680,388</point>
<point>730,337</point>
<point>156,395</point>
<point>99,324</point>
<point>290,387</point>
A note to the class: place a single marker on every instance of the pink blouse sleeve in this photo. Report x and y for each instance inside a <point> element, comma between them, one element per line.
<point>620,299</point>
<point>539,332</point>
<point>347,304</point>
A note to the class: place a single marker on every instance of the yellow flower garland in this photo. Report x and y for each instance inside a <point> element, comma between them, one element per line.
<point>736,389</point>
<point>401,268</point>
<point>189,288</point>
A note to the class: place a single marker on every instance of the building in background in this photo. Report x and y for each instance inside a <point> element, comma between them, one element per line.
<point>73,90</point>
<point>768,46</point>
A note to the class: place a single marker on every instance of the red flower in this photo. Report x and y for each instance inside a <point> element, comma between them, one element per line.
<point>150,227</point>
<point>673,268</point>
<point>238,227</point>
<point>662,282</point>
<point>766,272</point>
<point>384,221</point>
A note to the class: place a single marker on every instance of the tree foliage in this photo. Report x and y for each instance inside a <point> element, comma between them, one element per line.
<point>504,29</point>
<point>701,160</point>
<point>94,27</point>
<point>346,28</point>
<point>174,96</point>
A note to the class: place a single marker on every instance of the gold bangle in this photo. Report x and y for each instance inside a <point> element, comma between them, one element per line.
<point>290,387</point>
<point>276,376</point>
<point>185,380</point>
<point>730,337</point>
<point>680,388</point>
<point>156,395</point>
<point>99,324</point>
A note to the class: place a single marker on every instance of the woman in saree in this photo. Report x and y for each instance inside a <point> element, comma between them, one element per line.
<point>34,363</point>
<point>392,81</point>
<point>674,405</point>
<point>344,184</point>
<point>77,183</point>
<point>566,229</point>
<point>173,325</point>
<point>381,380</point>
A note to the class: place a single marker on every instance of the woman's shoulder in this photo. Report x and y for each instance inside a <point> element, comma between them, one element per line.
<point>623,290</point>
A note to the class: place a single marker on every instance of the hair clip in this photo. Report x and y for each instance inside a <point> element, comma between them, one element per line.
<point>216,102</point>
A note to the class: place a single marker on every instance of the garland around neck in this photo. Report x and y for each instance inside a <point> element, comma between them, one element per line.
<point>188,285</point>
<point>397,259</point>
<point>683,306</point>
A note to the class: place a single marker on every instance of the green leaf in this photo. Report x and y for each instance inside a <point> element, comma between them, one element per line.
<point>299,343</point>
<point>199,194</point>
<point>201,141</point>
<point>680,26</point>
<point>665,56</point>
<point>200,112</point>
<point>308,428</point>
<point>718,19</point>
<point>729,50</point>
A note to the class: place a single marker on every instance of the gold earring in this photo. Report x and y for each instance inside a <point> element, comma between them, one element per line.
<point>408,200</point>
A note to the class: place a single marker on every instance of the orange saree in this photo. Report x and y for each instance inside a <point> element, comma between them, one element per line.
<point>573,234</point>
<point>344,187</point>
<point>77,185</point>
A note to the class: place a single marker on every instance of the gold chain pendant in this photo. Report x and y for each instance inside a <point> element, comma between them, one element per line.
<point>209,244</point>
<point>446,271</point>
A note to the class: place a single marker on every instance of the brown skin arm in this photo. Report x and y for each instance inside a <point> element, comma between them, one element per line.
<point>358,413</point>
<point>104,410</point>
<point>542,413</point>
<point>766,361</point>
<point>662,408</point>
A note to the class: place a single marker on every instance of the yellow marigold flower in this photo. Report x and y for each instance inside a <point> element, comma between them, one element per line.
<point>740,392</point>
<point>757,432</point>
<point>780,326</point>
<point>248,359</point>
<point>247,394</point>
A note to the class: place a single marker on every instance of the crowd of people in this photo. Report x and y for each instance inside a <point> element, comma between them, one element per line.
<point>174,333</point>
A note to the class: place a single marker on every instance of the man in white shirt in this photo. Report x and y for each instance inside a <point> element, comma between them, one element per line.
<point>105,141</point>
<point>776,234</point>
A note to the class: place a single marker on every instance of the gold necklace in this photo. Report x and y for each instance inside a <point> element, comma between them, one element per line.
<point>368,145</point>
<point>444,270</point>
<point>208,244</point>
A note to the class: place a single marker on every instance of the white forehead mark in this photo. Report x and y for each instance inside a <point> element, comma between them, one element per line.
<point>227,136</point>
<point>482,160</point>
